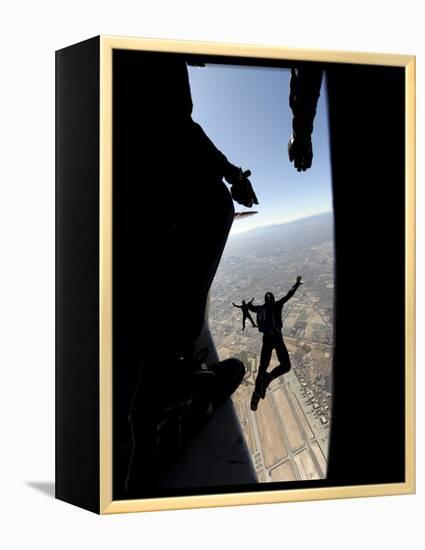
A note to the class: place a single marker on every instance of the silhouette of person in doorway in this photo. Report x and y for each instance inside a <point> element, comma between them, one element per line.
<point>245,312</point>
<point>305,85</point>
<point>172,215</point>
<point>367,133</point>
<point>269,320</point>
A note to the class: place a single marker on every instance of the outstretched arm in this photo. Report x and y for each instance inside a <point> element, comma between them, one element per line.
<point>294,288</point>
<point>241,188</point>
<point>253,308</point>
<point>212,157</point>
<point>233,304</point>
<point>304,93</point>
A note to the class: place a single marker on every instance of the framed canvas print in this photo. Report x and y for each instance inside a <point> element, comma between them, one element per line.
<point>234,274</point>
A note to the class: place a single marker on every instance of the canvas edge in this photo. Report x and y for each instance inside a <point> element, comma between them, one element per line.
<point>107,504</point>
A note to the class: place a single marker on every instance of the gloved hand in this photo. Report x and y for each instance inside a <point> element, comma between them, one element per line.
<point>241,188</point>
<point>300,151</point>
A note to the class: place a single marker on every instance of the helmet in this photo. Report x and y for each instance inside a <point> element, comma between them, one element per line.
<point>269,298</point>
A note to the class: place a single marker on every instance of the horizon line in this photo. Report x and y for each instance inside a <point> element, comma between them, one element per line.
<point>281,223</point>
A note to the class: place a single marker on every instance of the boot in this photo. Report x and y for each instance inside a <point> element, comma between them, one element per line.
<point>165,420</point>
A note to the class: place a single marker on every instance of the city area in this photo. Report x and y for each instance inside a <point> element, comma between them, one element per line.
<point>288,435</point>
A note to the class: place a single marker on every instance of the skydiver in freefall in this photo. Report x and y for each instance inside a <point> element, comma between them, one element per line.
<point>245,312</point>
<point>269,320</point>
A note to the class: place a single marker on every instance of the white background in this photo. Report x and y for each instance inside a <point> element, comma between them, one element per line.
<point>29,33</point>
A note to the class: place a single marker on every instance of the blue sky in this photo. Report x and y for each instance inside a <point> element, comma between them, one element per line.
<point>246,113</point>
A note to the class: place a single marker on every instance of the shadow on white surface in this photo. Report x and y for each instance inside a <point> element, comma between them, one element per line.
<point>46,487</point>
